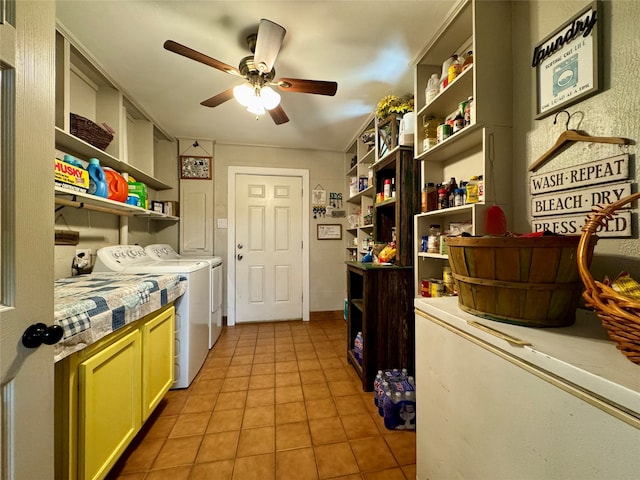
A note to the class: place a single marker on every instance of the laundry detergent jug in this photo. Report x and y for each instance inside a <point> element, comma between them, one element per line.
<point>117,188</point>
<point>97,179</point>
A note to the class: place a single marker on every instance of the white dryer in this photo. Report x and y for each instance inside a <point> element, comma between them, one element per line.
<point>192,308</point>
<point>162,251</point>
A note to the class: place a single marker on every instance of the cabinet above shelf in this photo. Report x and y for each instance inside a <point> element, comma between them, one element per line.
<point>99,204</point>
<point>75,146</point>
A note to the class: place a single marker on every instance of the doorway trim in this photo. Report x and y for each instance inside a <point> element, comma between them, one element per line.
<point>231,237</point>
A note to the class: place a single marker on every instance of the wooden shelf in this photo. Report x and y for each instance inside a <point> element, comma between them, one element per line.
<point>91,202</point>
<point>75,146</point>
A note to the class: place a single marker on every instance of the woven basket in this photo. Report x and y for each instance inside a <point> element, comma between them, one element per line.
<point>90,132</point>
<point>620,315</point>
<point>530,281</point>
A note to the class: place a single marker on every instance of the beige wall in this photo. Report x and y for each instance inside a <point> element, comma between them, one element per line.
<point>611,112</point>
<point>327,277</point>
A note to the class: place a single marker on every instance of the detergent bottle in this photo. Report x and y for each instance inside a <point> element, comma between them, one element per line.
<point>97,179</point>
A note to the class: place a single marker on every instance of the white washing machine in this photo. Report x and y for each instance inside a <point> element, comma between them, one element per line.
<point>162,251</point>
<point>192,308</point>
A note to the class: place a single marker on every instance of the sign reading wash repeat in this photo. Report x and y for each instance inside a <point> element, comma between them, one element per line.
<point>561,199</point>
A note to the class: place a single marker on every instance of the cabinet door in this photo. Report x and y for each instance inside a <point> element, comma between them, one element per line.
<point>196,211</point>
<point>109,405</point>
<point>157,359</point>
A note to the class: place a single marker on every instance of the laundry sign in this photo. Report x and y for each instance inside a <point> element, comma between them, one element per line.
<point>562,199</point>
<point>600,171</point>
<point>618,226</point>
<point>578,200</point>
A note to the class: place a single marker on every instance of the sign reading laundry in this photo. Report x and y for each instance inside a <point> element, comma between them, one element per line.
<point>618,226</point>
<point>578,200</point>
<point>592,173</point>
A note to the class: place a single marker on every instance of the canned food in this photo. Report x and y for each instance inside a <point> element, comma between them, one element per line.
<point>447,279</point>
<point>462,107</point>
<point>443,132</point>
<point>425,288</point>
<point>436,287</point>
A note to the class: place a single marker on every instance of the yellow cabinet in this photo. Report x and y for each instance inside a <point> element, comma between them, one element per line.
<point>157,360</point>
<point>105,392</point>
<point>109,405</point>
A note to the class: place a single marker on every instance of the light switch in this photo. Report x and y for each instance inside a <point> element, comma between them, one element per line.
<point>222,223</point>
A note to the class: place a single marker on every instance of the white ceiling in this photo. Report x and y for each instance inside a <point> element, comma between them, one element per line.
<point>365,46</point>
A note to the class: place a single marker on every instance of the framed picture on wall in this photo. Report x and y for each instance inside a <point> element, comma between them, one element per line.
<point>566,63</point>
<point>330,231</point>
<point>195,168</point>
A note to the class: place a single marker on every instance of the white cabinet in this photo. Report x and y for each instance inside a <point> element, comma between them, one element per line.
<point>499,401</point>
<point>82,88</point>
<point>483,147</point>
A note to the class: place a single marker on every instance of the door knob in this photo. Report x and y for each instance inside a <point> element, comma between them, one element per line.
<point>240,246</point>
<point>239,256</point>
<point>38,333</point>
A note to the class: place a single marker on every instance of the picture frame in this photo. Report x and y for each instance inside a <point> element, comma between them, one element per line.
<point>195,168</point>
<point>329,231</point>
<point>567,63</point>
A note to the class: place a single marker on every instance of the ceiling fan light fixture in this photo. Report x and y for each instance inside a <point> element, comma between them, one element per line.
<point>270,98</point>
<point>244,94</point>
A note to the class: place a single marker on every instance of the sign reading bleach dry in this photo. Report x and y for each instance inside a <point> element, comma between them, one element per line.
<point>561,199</point>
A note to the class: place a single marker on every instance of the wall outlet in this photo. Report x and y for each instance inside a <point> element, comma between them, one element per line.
<point>222,223</point>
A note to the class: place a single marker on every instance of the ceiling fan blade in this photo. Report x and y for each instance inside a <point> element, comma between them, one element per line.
<point>268,44</point>
<point>180,49</point>
<point>218,99</point>
<point>278,115</point>
<point>317,87</point>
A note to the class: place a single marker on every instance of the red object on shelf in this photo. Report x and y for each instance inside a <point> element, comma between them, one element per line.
<point>117,186</point>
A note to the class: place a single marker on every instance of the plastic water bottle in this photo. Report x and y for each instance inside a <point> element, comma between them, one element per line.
<point>433,88</point>
<point>384,388</point>
<point>406,411</point>
<point>97,179</point>
<point>391,406</point>
<point>377,387</point>
<point>358,345</point>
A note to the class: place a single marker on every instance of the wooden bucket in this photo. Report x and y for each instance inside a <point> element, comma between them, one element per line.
<point>530,281</point>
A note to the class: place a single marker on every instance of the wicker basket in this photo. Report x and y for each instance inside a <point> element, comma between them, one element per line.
<point>620,315</point>
<point>90,132</point>
<point>530,281</point>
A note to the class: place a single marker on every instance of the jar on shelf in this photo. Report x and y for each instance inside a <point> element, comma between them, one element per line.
<point>433,242</point>
<point>443,198</point>
<point>430,124</point>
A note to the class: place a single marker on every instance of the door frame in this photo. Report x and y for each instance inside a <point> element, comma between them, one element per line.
<point>231,236</point>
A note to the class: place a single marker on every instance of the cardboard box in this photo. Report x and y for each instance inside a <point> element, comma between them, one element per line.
<point>70,176</point>
<point>157,206</point>
<point>171,208</point>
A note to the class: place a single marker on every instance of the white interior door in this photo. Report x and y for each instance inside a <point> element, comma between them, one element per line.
<point>268,248</point>
<point>26,242</point>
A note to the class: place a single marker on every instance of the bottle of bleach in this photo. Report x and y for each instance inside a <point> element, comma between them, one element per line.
<point>97,179</point>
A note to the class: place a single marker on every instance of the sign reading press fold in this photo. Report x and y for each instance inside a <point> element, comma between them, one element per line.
<point>561,199</point>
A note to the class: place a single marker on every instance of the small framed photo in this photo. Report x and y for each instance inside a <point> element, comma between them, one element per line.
<point>566,63</point>
<point>195,168</point>
<point>330,231</point>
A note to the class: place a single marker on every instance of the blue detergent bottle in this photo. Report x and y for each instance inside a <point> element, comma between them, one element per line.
<point>97,179</point>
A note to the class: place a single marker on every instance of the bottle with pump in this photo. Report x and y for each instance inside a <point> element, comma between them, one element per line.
<point>97,179</point>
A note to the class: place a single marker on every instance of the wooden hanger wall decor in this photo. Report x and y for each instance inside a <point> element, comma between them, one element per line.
<point>569,137</point>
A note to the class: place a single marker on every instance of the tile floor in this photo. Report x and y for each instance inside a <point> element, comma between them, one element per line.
<point>273,401</point>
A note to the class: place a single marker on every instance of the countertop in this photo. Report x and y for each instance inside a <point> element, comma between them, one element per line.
<point>89,307</point>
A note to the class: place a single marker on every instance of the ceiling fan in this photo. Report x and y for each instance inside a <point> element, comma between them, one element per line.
<point>256,93</point>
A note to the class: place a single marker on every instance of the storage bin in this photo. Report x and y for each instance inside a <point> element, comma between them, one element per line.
<point>531,281</point>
